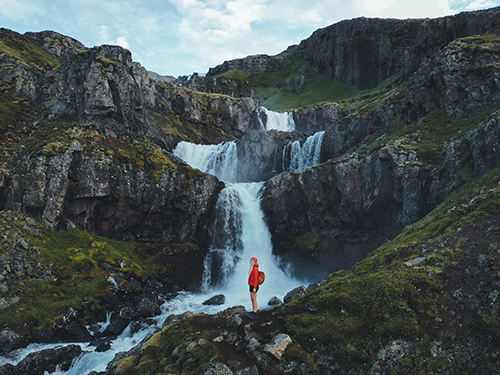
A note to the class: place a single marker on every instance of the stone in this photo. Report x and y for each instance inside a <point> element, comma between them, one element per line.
<point>48,360</point>
<point>216,368</point>
<point>10,340</point>
<point>274,301</point>
<point>219,299</point>
<point>416,261</point>
<point>297,292</point>
<point>278,345</point>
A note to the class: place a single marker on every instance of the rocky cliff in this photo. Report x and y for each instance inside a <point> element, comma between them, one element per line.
<point>364,52</point>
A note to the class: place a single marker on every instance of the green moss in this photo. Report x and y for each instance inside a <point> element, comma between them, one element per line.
<point>145,156</point>
<point>176,349</point>
<point>106,60</point>
<point>27,52</point>
<point>382,299</point>
<point>13,108</point>
<point>128,365</point>
<point>54,148</point>
<point>76,272</point>
<point>363,310</point>
<point>183,248</point>
<point>307,242</point>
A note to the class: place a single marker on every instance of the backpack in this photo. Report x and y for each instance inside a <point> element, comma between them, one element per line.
<point>262,277</point>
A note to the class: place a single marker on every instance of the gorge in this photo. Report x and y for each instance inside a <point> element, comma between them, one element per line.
<point>360,166</point>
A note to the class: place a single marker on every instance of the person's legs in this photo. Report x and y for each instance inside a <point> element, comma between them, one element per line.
<point>253,297</point>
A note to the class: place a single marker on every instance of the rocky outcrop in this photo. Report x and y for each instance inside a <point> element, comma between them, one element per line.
<point>116,194</point>
<point>104,87</point>
<point>55,43</point>
<point>260,154</point>
<point>220,117</point>
<point>314,119</point>
<point>463,79</point>
<point>257,63</point>
<point>368,199</point>
<point>354,200</point>
<point>364,52</point>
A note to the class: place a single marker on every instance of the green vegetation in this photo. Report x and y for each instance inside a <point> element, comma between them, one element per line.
<point>320,89</point>
<point>145,156</point>
<point>382,299</point>
<point>279,89</point>
<point>177,349</point>
<point>13,107</point>
<point>27,52</point>
<point>307,242</point>
<point>71,269</point>
<point>429,134</point>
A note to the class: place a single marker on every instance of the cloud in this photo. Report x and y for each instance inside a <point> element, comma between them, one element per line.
<point>18,10</point>
<point>122,42</point>
<point>464,5</point>
<point>414,9</point>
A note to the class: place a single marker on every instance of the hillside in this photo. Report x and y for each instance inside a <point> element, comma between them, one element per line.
<point>399,221</point>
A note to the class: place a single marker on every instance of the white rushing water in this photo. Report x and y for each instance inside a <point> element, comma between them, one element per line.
<point>282,121</point>
<point>219,160</point>
<point>306,155</point>
<point>241,233</point>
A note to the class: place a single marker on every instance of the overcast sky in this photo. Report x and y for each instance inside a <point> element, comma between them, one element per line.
<point>179,37</point>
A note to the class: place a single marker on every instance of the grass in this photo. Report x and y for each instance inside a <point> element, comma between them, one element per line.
<point>27,52</point>
<point>381,299</point>
<point>13,108</point>
<point>72,262</point>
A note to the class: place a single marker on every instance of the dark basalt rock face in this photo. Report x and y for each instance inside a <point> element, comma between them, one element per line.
<point>364,52</point>
<point>105,197</point>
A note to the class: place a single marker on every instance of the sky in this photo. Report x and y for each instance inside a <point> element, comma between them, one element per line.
<point>181,37</point>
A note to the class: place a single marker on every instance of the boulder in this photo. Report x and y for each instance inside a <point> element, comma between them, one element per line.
<point>297,292</point>
<point>278,345</point>
<point>10,340</point>
<point>219,299</point>
<point>274,301</point>
<point>44,361</point>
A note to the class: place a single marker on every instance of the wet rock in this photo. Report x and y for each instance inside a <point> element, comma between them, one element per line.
<point>116,327</point>
<point>103,346</point>
<point>148,307</point>
<point>45,361</point>
<point>219,299</point>
<point>297,292</point>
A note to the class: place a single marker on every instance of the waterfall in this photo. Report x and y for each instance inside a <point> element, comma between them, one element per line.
<point>219,160</point>
<point>282,121</point>
<point>240,233</point>
<point>306,155</point>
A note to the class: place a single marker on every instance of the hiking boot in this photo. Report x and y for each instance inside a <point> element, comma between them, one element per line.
<point>252,315</point>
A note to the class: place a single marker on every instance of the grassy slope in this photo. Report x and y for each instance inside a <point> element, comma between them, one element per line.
<point>381,299</point>
<point>27,52</point>
<point>318,88</point>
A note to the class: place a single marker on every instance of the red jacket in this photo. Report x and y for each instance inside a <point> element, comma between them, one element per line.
<point>253,278</point>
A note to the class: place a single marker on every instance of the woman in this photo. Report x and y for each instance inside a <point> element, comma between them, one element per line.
<point>253,282</point>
